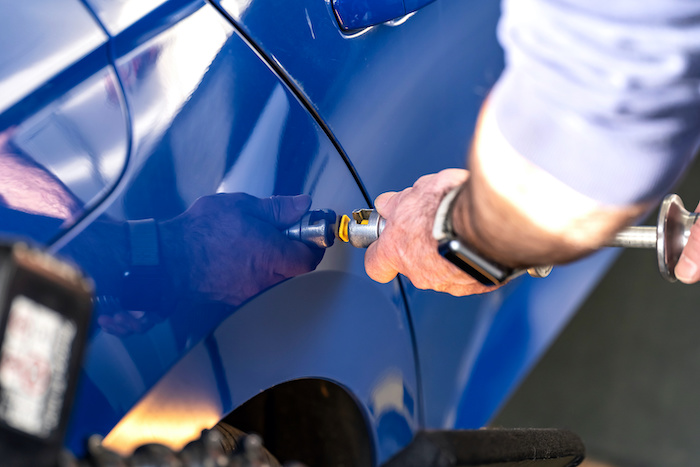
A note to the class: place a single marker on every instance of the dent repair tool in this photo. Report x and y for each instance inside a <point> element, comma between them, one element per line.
<point>320,228</point>
<point>316,228</point>
<point>669,236</point>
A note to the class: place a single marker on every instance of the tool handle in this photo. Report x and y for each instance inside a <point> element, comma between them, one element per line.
<point>635,237</point>
<point>668,237</point>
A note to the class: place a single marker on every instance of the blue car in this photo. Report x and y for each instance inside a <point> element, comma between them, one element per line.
<point>163,146</point>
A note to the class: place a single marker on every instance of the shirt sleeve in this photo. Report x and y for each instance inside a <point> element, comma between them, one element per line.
<point>605,96</point>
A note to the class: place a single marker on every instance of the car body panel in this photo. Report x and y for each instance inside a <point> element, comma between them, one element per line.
<point>255,98</point>
<point>43,46</point>
<point>402,99</point>
<point>284,335</point>
<point>63,118</point>
<point>117,15</point>
<point>209,117</point>
<point>474,351</point>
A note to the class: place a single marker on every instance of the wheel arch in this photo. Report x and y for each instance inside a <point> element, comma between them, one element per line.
<point>290,343</point>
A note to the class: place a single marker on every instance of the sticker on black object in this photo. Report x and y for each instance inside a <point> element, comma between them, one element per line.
<point>33,364</point>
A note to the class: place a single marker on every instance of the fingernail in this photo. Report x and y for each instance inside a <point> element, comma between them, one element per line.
<point>302,203</point>
<point>685,270</point>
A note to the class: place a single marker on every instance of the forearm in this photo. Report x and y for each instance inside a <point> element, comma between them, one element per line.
<point>519,215</point>
<point>594,119</point>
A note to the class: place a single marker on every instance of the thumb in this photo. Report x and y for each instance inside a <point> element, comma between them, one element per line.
<point>384,203</point>
<point>377,264</point>
<point>687,270</point>
<point>282,211</point>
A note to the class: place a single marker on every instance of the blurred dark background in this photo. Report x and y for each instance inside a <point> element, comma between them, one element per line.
<point>625,373</point>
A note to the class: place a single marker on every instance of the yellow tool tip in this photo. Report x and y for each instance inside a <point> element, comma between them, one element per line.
<point>343,228</point>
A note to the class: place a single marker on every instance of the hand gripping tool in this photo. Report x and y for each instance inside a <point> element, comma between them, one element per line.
<point>668,237</point>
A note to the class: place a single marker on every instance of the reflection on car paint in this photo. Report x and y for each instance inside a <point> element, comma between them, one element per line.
<point>118,15</point>
<point>42,45</point>
<point>62,159</point>
<point>221,150</point>
<point>201,302</point>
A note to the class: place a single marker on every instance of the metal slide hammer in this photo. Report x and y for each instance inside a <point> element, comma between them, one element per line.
<point>668,237</point>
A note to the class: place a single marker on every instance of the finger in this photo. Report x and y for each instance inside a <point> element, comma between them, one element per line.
<point>108,324</point>
<point>295,258</point>
<point>454,176</point>
<point>6,135</point>
<point>282,211</point>
<point>377,266</point>
<point>388,201</point>
<point>381,201</point>
<point>687,269</point>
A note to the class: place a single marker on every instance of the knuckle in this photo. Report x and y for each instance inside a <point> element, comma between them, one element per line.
<point>424,180</point>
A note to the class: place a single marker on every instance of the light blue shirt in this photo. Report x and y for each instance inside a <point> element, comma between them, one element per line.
<point>604,95</point>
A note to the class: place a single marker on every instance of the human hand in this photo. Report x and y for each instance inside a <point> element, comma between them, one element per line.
<point>407,246</point>
<point>688,267</point>
<point>126,322</point>
<point>231,246</point>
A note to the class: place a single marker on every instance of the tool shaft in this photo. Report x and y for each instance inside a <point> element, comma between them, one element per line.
<point>635,237</point>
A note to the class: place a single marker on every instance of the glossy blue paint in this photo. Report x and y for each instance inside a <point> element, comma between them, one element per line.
<point>402,97</point>
<point>521,330</point>
<point>117,15</point>
<point>226,124</point>
<point>402,100</point>
<point>413,5</point>
<point>219,120</point>
<point>63,129</point>
<point>47,38</point>
<point>487,344</point>
<point>358,14</point>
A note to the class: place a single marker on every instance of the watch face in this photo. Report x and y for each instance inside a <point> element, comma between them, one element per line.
<point>482,270</point>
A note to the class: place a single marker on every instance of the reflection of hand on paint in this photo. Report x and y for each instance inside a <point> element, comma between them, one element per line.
<point>230,247</point>
<point>225,248</point>
<point>28,187</point>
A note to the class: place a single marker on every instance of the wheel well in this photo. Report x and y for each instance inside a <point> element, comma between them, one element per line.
<point>313,421</point>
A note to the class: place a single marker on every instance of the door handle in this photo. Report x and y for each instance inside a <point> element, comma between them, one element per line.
<point>356,14</point>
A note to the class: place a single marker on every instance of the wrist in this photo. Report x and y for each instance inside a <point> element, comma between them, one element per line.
<point>498,231</point>
<point>519,215</point>
<point>459,252</point>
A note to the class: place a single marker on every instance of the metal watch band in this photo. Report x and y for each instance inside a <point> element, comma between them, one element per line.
<point>143,240</point>
<point>143,284</point>
<point>455,250</point>
<point>442,226</point>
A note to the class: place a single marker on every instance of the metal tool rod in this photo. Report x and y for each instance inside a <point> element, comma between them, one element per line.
<point>635,237</point>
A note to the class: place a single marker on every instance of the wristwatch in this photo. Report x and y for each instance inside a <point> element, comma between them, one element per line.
<point>465,257</point>
<point>143,284</point>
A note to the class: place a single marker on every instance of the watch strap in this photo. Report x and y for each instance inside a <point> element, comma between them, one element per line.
<point>458,252</point>
<point>442,227</point>
<point>143,282</point>
<point>143,242</point>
